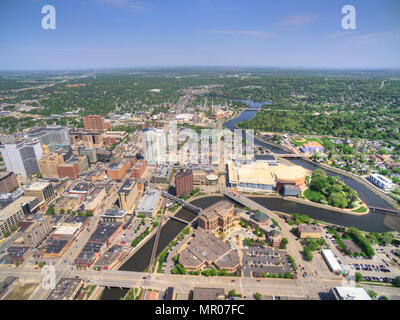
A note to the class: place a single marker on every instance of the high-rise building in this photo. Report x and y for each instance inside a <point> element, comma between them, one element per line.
<point>183,182</point>
<point>95,123</point>
<point>49,163</point>
<point>88,139</point>
<point>52,136</point>
<point>42,189</point>
<point>138,169</point>
<point>11,215</point>
<point>117,169</point>
<point>8,182</point>
<point>73,167</point>
<point>154,146</point>
<point>129,194</point>
<point>35,232</point>
<point>22,157</point>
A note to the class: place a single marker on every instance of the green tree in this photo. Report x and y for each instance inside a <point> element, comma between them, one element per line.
<point>284,243</point>
<point>50,210</point>
<point>308,254</point>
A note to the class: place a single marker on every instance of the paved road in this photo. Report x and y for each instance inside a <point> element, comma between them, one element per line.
<point>278,287</point>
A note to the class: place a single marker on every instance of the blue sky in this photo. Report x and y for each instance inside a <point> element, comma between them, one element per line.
<point>130,33</point>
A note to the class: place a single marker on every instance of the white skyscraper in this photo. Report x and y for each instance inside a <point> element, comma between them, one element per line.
<point>154,146</point>
<point>22,156</point>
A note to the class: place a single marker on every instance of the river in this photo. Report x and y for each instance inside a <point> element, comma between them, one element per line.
<point>373,222</point>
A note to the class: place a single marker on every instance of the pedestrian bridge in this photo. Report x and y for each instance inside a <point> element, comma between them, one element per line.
<point>183,202</point>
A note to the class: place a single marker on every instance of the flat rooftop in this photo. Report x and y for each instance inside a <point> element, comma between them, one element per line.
<point>14,207</point>
<point>208,293</point>
<point>64,289</point>
<point>206,247</point>
<point>262,173</point>
<point>149,200</point>
<point>117,213</point>
<point>218,208</point>
<point>39,185</point>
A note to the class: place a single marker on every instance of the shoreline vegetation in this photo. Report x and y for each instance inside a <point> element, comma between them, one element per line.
<point>332,191</point>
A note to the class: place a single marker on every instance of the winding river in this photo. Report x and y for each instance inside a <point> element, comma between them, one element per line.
<point>373,222</point>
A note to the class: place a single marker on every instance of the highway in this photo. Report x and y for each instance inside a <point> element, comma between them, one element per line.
<point>128,279</point>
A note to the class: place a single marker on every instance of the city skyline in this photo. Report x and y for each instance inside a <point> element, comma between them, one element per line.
<point>127,34</point>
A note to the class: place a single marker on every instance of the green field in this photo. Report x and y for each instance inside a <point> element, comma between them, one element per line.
<point>299,141</point>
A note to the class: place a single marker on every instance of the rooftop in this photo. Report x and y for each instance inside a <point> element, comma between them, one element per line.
<point>114,213</point>
<point>15,206</point>
<point>309,228</point>
<point>208,293</point>
<point>64,289</point>
<point>219,208</point>
<point>206,247</point>
<point>149,200</point>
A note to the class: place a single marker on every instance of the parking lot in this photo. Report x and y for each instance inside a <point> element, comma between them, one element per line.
<point>381,268</point>
<point>258,260</point>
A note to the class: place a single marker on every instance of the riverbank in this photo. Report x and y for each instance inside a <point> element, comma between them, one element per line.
<point>311,204</point>
<point>371,195</point>
<point>359,179</point>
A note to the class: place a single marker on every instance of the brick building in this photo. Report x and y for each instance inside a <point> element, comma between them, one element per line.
<point>183,182</point>
<point>95,123</point>
<point>117,170</point>
<point>138,169</point>
<point>8,182</point>
<point>219,215</point>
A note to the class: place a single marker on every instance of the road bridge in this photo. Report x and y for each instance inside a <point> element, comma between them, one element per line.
<point>291,155</point>
<point>244,201</point>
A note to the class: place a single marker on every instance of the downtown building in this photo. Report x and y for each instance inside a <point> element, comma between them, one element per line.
<point>8,182</point>
<point>95,123</point>
<point>22,157</point>
<point>154,146</point>
<point>183,182</point>
<point>52,136</point>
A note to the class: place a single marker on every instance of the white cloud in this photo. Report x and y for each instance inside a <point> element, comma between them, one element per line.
<point>376,36</point>
<point>130,4</point>
<point>298,20</point>
<point>253,33</point>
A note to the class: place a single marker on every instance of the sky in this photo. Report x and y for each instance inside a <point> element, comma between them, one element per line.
<point>167,33</point>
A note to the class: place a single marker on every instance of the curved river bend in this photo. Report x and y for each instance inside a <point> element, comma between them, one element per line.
<point>373,222</point>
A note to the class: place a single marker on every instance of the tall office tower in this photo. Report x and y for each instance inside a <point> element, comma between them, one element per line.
<point>52,136</point>
<point>95,123</point>
<point>154,146</point>
<point>183,182</point>
<point>22,157</point>
<point>49,163</point>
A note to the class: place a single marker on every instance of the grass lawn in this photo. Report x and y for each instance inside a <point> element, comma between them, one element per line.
<point>299,141</point>
<point>360,210</point>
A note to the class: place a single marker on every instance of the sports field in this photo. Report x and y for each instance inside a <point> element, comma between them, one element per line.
<point>299,141</point>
